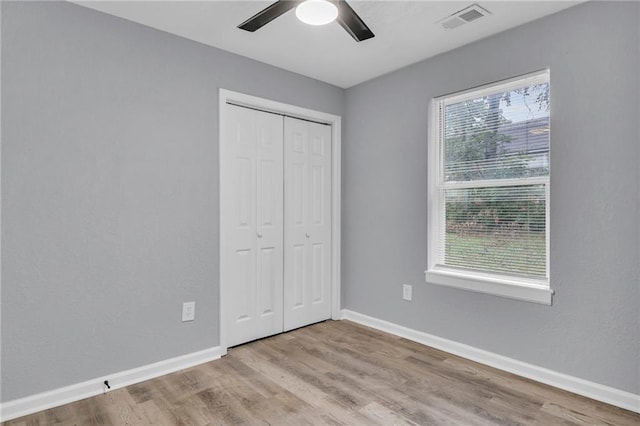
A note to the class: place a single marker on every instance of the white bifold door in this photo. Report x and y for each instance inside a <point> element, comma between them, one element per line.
<point>275,223</point>
<point>252,221</point>
<point>307,229</point>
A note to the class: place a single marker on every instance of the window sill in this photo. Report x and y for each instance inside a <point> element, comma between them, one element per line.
<point>503,287</point>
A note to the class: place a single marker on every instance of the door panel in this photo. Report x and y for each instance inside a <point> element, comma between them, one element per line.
<point>298,194</point>
<point>317,195</point>
<point>267,208</point>
<point>317,273</point>
<point>243,263</point>
<point>307,168</point>
<point>245,203</point>
<point>270,231</point>
<point>298,265</point>
<point>267,266</point>
<point>253,229</point>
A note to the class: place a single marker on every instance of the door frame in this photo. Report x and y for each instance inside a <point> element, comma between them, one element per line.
<point>241,99</point>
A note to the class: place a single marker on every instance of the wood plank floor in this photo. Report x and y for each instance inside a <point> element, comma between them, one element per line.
<point>336,373</point>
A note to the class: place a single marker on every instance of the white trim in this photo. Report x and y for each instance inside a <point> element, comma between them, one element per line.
<point>512,287</point>
<point>536,77</point>
<point>435,207</point>
<point>1,275</point>
<point>65,395</point>
<point>336,225</point>
<point>335,121</point>
<point>495,183</point>
<point>606,394</point>
<point>275,106</point>
<point>223,119</point>
<point>518,289</point>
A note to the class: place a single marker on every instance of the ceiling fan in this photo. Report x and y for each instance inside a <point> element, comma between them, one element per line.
<point>314,12</point>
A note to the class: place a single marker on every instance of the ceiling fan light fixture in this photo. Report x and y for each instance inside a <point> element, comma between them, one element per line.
<point>317,12</point>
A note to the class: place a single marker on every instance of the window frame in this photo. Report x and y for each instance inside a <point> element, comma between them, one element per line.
<point>513,287</point>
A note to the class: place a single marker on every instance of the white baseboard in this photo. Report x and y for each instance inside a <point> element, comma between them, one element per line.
<point>609,395</point>
<point>56,397</point>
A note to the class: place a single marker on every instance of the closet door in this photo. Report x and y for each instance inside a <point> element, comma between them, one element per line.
<point>252,224</point>
<point>307,215</point>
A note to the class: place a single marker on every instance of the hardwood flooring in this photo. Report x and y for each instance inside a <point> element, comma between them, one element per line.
<point>336,373</point>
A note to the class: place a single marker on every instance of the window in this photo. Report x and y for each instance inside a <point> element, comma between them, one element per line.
<point>489,189</point>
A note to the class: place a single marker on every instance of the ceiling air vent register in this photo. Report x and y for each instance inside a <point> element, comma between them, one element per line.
<point>463,16</point>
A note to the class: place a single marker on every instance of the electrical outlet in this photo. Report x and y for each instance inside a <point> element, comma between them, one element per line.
<point>188,311</point>
<point>407,292</point>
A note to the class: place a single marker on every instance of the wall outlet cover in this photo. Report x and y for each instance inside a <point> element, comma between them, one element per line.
<point>407,292</point>
<point>188,311</point>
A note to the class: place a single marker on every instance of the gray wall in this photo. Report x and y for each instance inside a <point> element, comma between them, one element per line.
<point>592,331</point>
<point>110,190</point>
<point>109,193</point>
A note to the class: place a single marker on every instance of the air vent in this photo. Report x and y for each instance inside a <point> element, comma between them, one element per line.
<point>466,15</point>
<point>471,15</point>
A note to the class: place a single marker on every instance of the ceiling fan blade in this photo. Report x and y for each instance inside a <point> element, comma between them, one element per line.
<point>351,22</point>
<point>267,15</point>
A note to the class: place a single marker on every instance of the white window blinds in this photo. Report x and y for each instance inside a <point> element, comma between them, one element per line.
<point>493,187</point>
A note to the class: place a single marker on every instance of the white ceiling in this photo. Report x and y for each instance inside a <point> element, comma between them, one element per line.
<point>406,32</point>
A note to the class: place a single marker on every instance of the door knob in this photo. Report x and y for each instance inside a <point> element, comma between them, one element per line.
<point>259,234</point>
<point>306,234</point>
